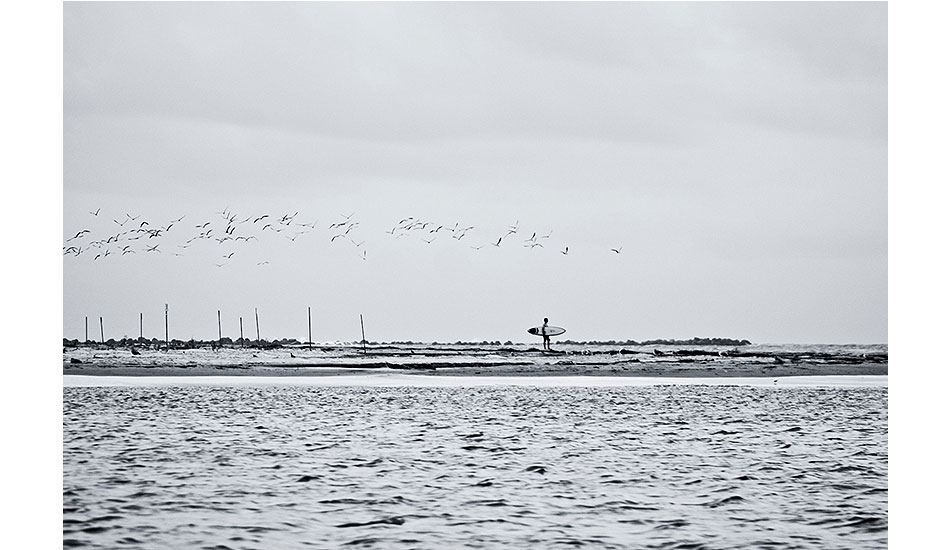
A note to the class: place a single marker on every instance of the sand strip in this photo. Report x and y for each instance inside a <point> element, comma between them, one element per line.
<point>411,380</point>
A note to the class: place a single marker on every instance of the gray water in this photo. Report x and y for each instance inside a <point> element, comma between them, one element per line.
<point>478,467</point>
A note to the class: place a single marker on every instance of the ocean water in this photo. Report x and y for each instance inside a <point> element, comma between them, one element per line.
<point>298,466</point>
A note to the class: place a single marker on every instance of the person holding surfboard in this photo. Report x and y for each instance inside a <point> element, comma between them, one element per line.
<point>546,331</point>
<point>544,334</point>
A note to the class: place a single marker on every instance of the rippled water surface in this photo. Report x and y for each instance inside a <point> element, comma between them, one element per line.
<point>480,467</point>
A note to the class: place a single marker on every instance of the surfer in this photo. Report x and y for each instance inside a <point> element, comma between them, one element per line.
<point>544,334</point>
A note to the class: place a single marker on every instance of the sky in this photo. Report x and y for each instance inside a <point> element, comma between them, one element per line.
<point>655,170</point>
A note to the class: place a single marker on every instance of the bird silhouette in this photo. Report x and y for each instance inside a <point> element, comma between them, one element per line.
<point>617,250</point>
<point>80,234</point>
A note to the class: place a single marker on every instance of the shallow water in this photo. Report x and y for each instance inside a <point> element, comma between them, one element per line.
<point>481,467</point>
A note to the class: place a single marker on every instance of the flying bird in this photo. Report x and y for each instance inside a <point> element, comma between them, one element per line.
<point>96,213</point>
<point>80,234</point>
<point>564,251</point>
<point>617,250</point>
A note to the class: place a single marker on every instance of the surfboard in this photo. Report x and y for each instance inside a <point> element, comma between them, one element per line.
<point>548,330</point>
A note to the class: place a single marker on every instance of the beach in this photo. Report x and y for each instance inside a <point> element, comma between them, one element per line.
<point>524,360</point>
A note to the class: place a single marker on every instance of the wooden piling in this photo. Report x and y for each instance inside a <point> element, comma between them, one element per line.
<point>87,329</point>
<point>219,327</point>
<point>309,330</point>
<point>363,331</point>
<point>166,326</point>
<point>241,321</point>
<point>102,334</point>
<point>140,324</point>
<point>258,325</point>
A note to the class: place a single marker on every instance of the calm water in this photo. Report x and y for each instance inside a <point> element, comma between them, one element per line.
<point>480,467</point>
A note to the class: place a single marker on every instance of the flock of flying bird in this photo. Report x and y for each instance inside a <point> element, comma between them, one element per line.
<point>133,235</point>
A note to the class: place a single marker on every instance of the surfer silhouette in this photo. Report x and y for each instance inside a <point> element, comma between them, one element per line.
<point>544,334</point>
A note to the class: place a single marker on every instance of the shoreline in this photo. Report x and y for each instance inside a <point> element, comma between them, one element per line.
<point>392,380</point>
<point>635,370</point>
<point>455,361</point>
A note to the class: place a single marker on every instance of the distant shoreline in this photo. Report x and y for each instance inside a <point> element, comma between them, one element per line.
<point>671,370</point>
<point>466,360</point>
<point>294,343</point>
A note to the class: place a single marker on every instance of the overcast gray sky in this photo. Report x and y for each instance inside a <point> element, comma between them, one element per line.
<point>735,154</point>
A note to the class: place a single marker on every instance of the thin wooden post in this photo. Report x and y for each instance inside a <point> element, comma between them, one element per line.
<point>309,330</point>
<point>258,325</point>
<point>140,324</point>
<point>241,320</point>
<point>87,328</point>
<point>102,334</point>
<point>363,331</point>
<point>219,327</point>
<point>166,326</point>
